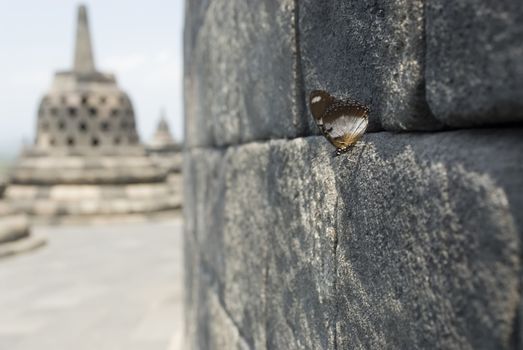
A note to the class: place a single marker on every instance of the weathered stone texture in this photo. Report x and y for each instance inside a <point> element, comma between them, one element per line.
<point>240,82</point>
<point>302,241</point>
<point>230,193</point>
<point>429,255</point>
<point>475,61</point>
<point>408,241</point>
<point>369,51</point>
<point>195,11</point>
<point>226,188</point>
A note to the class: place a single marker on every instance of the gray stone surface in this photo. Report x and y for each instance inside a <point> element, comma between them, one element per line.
<point>475,61</point>
<point>372,52</point>
<point>407,241</point>
<point>240,76</point>
<point>301,244</point>
<point>195,12</point>
<point>101,287</point>
<point>207,323</point>
<point>430,243</point>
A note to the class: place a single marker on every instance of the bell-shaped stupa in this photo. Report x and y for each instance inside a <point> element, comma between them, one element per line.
<point>87,158</point>
<point>85,111</point>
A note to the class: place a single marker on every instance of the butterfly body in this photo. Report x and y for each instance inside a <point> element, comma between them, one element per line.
<point>341,122</point>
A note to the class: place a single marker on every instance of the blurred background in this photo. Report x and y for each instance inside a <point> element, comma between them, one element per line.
<point>90,193</point>
<point>140,42</point>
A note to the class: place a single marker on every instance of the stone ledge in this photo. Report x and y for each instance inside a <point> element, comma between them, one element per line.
<point>95,200</point>
<point>78,170</point>
<point>12,226</point>
<point>22,245</point>
<point>408,240</point>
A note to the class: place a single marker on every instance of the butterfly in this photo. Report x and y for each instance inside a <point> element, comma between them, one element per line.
<point>341,122</point>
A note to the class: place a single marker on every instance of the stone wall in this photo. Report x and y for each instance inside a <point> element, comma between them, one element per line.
<point>410,240</point>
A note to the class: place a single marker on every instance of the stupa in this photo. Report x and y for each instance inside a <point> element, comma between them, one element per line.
<point>163,149</point>
<point>87,158</point>
<point>163,139</point>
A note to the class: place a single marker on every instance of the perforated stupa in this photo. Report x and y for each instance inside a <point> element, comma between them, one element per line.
<point>85,111</point>
<point>87,158</point>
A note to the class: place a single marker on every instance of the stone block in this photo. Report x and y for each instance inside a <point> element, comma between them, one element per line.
<point>203,204</point>
<point>207,324</point>
<point>12,226</point>
<point>246,209</point>
<point>474,64</point>
<point>230,207</point>
<point>372,52</point>
<point>240,82</point>
<point>195,11</point>
<point>223,333</point>
<point>227,215</point>
<point>428,253</point>
<point>407,241</point>
<point>301,267</point>
<point>197,288</point>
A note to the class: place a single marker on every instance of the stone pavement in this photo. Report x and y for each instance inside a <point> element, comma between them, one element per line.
<point>111,287</point>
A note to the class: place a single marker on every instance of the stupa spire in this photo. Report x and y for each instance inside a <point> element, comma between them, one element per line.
<point>83,52</point>
<point>162,125</point>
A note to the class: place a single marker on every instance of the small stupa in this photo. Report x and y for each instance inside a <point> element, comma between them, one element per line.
<point>164,150</point>
<point>87,158</point>
<point>162,139</point>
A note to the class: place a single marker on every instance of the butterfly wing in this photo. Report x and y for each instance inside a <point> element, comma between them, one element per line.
<point>319,102</point>
<point>345,123</point>
<point>341,122</point>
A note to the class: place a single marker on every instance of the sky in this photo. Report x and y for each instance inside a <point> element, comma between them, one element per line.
<point>140,41</point>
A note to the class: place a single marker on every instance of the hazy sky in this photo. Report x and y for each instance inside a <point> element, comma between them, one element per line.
<point>140,41</point>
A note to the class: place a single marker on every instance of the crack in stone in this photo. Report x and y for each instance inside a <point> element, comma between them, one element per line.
<point>207,269</point>
<point>337,225</point>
